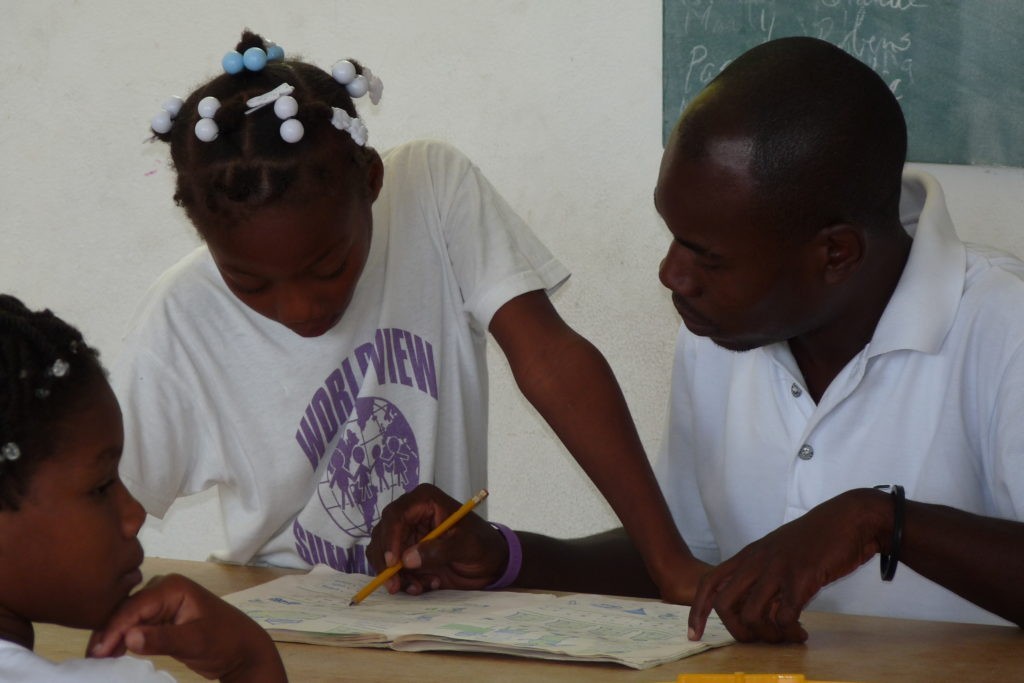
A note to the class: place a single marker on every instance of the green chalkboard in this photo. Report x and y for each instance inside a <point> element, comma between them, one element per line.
<point>955,65</point>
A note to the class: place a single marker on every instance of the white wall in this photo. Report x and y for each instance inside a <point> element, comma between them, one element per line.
<point>558,102</point>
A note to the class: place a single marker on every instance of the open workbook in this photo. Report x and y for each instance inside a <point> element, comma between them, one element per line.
<point>314,608</point>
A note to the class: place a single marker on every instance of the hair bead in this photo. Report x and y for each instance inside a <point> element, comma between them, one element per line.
<point>59,368</point>
<point>286,107</point>
<point>254,59</point>
<point>10,451</point>
<point>292,130</point>
<point>162,122</point>
<point>232,62</point>
<point>208,107</point>
<point>343,71</point>
<point>207,130</point>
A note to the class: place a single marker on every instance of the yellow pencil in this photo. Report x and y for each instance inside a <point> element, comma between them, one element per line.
<point>444,526</point>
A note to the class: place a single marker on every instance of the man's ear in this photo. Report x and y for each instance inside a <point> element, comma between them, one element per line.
<point>842,248</point>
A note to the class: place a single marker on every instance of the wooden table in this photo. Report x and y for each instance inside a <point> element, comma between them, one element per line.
<point>840,648</point>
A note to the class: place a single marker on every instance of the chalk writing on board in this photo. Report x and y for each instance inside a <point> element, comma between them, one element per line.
<point>953,64</point>
<point>886,48</point>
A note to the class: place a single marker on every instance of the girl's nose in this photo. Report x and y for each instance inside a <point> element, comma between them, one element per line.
<point>132,512</point>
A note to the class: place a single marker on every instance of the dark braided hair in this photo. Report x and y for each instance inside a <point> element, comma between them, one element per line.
<point>249,166</point>
<point>46,369</point>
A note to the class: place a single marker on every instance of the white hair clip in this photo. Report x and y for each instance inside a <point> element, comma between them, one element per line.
<point>266,98</point>
<point>206,127</point>
<point>285,107</point>
<point>376,86</point>
<point>357,85</point>
<point>355,127</point>
<point>161,123</point>
<point>10,451</point>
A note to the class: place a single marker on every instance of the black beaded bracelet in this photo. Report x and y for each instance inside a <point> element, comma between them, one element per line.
<point>890,559</point>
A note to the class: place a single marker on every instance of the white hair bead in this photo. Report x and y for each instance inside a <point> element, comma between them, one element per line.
<point>286,107</point>
<point>292,130</point>
<point>206,130</point>
<point>172,106</point>
<point>208,106</point>
<point>358,86</point>
<point>161,123</point>
<point>344,71</point>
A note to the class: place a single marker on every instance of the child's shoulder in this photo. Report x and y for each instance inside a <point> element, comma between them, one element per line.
<point>426,153</point>
<point>192,284</point>
<point>21,664</point>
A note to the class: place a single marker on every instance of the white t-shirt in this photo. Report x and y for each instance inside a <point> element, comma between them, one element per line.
<point>309,439</point>
<point>21,665</point>
<point>934,402</point>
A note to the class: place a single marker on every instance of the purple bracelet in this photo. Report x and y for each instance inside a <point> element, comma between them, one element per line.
<point>515,558</point>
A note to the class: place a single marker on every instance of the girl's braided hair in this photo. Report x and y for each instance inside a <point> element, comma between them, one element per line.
<point>248,165</point>
<point>46,369</point>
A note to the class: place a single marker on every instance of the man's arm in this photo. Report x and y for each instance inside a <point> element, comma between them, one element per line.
<point>760,592</point>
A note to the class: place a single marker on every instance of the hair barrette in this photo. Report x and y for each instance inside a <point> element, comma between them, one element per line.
<point>355,127</point>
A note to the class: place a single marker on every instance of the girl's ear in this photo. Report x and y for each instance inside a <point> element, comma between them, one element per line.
<point>375,177</point>
<point>842,249</point>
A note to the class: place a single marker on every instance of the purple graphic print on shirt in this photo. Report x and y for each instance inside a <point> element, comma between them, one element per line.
<point>374,462</point>
<point>370,449</point>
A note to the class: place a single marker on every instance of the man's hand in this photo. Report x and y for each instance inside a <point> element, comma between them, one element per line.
<point>760,592</point>
<point>469,556</point>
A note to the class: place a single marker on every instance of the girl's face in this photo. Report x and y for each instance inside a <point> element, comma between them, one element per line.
<point>298,264</point>
<point>69,554</point>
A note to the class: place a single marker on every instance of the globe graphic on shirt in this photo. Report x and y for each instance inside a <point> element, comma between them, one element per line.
<point>374,461</point>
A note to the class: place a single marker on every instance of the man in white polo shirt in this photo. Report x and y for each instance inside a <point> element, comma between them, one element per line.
<point>837,336</point>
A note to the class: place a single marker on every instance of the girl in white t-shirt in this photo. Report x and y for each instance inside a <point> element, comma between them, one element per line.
<point>68,548</point>
<point>324,352</point>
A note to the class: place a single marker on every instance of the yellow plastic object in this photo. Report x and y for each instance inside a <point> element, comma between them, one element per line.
<point>746,678</point>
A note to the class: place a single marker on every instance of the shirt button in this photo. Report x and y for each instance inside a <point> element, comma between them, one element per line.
<point>796,390</point>
<point>805,452</point>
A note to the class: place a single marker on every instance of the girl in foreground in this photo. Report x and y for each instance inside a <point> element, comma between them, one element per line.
<point>68,548</point>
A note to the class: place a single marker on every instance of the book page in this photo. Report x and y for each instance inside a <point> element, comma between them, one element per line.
<point>597,628</point>
<point>306,607</point>
<point>314,608</point>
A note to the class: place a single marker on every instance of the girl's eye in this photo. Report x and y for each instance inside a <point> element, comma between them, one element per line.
<point>336,272</point>
<point>247,285</point>
<point>104,488</point>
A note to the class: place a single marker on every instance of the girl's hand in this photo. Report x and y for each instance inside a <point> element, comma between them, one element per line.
<point>469,556</point>
<point>175,616</point>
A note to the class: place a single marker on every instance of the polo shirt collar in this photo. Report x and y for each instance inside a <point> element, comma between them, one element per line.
<point>924,303</point>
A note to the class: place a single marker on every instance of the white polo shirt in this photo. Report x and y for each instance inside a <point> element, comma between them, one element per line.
<point>934,402</point>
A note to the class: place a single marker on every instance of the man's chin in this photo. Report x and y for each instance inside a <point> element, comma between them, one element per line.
<point>737,345</point>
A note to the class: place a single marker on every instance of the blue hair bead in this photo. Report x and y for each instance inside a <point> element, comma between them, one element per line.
<point>254,59</point>
<point>232,62</point>
<point>275,53</point>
